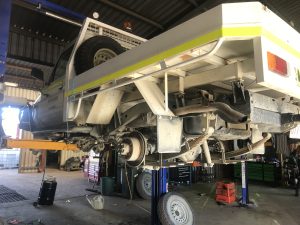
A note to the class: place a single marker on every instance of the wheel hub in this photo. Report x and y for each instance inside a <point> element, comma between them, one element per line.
<point>179,212</point>
<point>148,184</point>
<point>102,55</point>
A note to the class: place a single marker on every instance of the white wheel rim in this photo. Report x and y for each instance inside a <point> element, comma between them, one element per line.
<point>179,211</point>
<point>136,149</point>
<point>102,55</point>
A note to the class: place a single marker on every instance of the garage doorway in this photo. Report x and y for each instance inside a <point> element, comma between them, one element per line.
<point>9,158</point>
<point>53,159</point>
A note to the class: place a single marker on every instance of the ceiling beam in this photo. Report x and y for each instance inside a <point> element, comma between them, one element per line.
<point>192,2</point>
<point>173,20</point>
<point>30,60</point>
<point>39,5</point>
<point>202,7</point>
<point>40,37</point>
<point>131,13</point>
<point>24,81</point>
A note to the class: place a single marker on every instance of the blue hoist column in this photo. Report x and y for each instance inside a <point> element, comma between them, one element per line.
<point>159,188</point>
<point>5,9</point>
<point>245,193</point>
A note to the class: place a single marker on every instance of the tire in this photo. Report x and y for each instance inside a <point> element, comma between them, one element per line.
<point>144,185</point>
<point>95,51</point>
<point>173,209</point>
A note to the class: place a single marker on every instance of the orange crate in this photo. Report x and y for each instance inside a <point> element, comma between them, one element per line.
<point>225,199</point>
<point>224,185</point>
<point>224,192</point>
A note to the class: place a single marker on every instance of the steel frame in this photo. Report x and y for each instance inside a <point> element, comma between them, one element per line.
<point>172,54</point>
<point>38,145</point>
<point>56,8</point>
<point>5,10</point>
<point>159,188</point>
<point>89,28</point>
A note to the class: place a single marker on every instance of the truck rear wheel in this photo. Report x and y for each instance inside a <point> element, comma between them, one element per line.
<point>95,51</point>
<point>144,185</point>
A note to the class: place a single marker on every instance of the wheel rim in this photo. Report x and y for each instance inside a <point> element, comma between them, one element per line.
<point>148,183</point>
<point>177,209</point>
<point>102,55</point>
<point>179,212</point>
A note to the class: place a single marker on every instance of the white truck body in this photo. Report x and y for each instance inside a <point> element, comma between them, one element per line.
<point>233,48</point>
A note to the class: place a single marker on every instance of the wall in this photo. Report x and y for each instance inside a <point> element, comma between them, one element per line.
<point>27,158</point>
<point>30,95</point>
<point>27,161</point>
<point>9,158</point>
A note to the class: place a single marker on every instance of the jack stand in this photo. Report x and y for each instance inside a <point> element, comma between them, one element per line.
<point>159,188</point>
<point>244,201</point>
<point>245,193</point>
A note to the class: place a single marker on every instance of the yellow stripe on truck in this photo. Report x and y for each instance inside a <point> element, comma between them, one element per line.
<point>154,59</point>
<point>284,45</point>
<point>251,31</point>
<point>241,31</point>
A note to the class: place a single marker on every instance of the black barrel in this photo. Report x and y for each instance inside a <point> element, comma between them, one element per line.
<point>47,192</point>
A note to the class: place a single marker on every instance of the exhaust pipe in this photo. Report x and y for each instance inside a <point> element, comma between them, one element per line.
<point>223,110</point>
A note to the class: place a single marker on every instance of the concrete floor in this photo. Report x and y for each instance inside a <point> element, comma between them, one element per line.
<point>274,205</point>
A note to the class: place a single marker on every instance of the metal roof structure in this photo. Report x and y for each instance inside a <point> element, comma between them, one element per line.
<point>38,39</point>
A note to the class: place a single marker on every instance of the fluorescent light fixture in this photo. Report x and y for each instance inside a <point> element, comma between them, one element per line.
<point>11,84</point>
<point>63,19</point>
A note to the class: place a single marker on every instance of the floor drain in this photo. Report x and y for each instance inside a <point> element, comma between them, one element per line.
<point>9,195</point>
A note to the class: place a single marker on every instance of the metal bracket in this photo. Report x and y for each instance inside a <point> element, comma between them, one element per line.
<point>238,93</point>
<point>169,134</point>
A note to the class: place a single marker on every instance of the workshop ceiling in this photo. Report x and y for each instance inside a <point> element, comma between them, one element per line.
<point>38,39</point>
<point>148,17</point>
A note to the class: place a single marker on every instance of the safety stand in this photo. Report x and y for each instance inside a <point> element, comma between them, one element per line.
<point>245,192</point>
<point>159,188</point>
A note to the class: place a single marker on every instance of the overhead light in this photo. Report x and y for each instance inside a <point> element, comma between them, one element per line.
<point>11,84</point>
<point>62,19</point>
<point>96,15</point>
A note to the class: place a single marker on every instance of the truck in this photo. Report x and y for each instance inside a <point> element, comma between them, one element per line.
<point>230,75</point>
